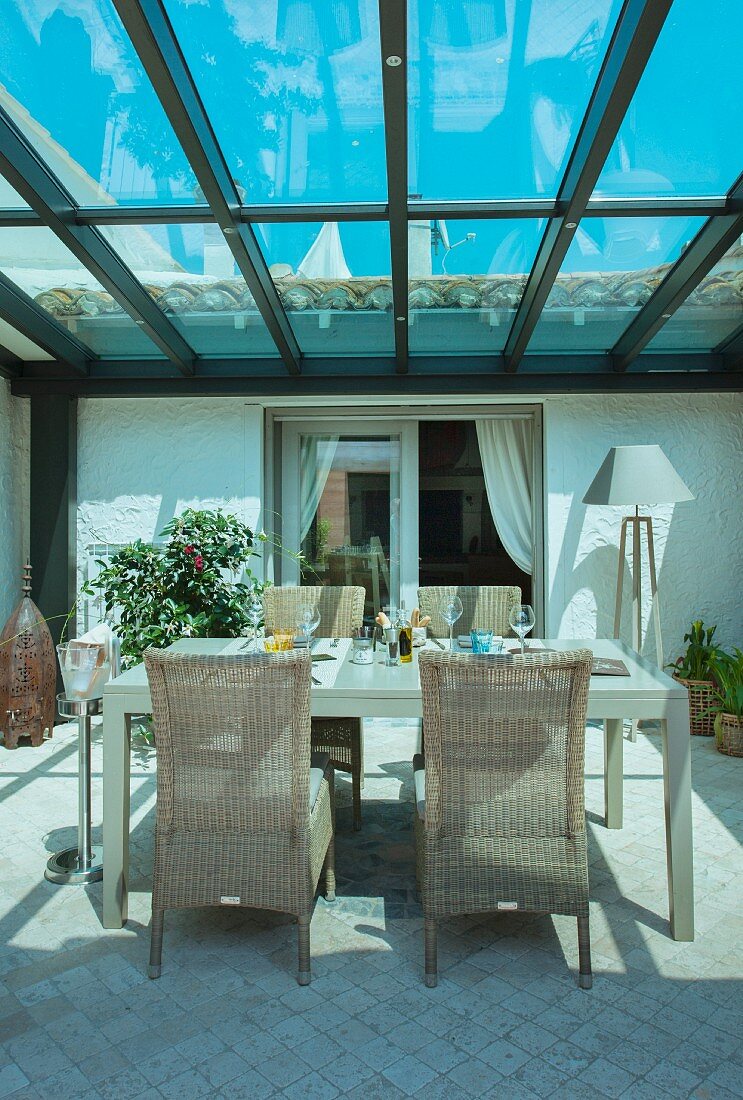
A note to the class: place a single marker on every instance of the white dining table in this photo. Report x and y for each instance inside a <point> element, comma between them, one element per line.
<point>379,691</point>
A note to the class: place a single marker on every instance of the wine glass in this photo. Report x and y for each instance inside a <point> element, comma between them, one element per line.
<point>254,615</point>
<point>308,620</point>
<point>521,619</point>
<point>451,612</point>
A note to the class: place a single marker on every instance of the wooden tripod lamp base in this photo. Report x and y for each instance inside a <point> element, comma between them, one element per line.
<point>636,523</point>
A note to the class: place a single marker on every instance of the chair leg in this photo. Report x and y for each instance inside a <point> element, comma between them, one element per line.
<point>156,944</point>
<point>585,976</point>
<point>329,865</point>
<point>304,975</point>
<point>430,936</point>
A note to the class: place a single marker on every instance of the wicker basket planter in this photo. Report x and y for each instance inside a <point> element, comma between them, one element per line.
<point>729,734</point>
<point>701,700</point>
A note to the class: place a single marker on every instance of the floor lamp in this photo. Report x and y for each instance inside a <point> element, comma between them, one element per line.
<point>637,476</point>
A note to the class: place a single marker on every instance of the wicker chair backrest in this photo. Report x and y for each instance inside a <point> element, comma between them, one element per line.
<point>484,607</point>
<point>505,743</point>
<point>233,740</point>
<point>341,608</point>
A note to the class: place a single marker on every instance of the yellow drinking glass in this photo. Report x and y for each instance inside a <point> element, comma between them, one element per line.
<point>280,642</point>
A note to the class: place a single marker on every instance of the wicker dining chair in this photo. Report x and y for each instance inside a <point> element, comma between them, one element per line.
<point>484,607</point>
<point>341,614</point>
<point>244,813</point>
<point>500,817</point>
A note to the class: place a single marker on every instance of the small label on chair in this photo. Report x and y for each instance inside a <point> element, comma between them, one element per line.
<point>508,905</point>
<point>229,901</point>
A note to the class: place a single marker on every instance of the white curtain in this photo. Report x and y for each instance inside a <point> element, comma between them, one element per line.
<point>506,453</point>
<point>316,454</point>
<point>325,259</point>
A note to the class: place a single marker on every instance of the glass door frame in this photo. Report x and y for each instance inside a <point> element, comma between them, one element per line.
<point>407,431</point>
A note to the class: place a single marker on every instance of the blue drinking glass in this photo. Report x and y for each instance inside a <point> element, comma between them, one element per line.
<point>481,640</point>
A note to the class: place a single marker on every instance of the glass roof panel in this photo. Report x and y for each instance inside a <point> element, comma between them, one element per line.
<point>37,261</point>
<point>9,197</point>
<point>612,267</point>
<point>682,132</point>
<point>73,84</point>
<point>190,272</point>
<point>334,282</point>
<point>497,92</point>
<point>466,281</point>
<point>294,92</point>
<point>711,313</point>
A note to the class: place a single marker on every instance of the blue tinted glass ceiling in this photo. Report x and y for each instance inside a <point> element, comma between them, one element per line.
<point>498,91</point>
<point>334,282</point>
<point>682,133</point>
<point>612,267</point>
<point>190,272</point>
<point>466,281</point>
<point>294,93</point>
<point>72,83</point>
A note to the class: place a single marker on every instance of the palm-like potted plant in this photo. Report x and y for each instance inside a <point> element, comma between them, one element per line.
<point>727,693</point>
<point>693,670</point>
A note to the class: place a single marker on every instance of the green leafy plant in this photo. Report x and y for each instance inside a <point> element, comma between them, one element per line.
<point>185,588</point>
<point>701,651</point>
<point>727,679</point>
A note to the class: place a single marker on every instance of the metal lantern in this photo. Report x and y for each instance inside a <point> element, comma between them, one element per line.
<point>28,673</point>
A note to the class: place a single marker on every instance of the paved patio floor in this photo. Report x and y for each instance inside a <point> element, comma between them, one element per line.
<point>79,1018</point>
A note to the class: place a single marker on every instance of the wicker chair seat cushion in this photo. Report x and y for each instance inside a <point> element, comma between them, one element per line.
<point>419,782</point>
<point>319,761</point>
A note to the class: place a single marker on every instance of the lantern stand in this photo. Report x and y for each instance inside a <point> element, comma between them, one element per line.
<point>83,863</point>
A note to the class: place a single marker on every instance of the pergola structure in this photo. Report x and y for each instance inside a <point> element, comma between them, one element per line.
<point>507,309</point>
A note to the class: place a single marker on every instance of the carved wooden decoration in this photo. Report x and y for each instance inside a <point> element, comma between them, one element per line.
<point>28,673</point>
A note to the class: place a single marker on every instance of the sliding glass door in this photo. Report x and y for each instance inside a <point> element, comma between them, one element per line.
<point>346,490</point>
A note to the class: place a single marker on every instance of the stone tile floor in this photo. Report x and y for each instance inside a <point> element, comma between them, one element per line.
<point>79,1019</point>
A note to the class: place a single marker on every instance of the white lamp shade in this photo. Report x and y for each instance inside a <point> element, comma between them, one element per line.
<point>636,475</point>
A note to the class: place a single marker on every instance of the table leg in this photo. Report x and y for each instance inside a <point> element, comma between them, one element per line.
<point>677,798</point>
<point>116,783</point>
<point>613,773</point>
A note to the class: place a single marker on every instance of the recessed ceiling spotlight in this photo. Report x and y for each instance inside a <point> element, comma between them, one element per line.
<point>137,321</point>
<point>571,225</point>
<point>499,60</point>
<point>228,231</point>
<point>400,318</point>
<point>393,61</point>
<point>665,316</point>
<point>356,143</point>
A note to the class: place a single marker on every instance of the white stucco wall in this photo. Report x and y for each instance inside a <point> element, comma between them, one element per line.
<point>141,461</point>
<point>14,485</point>
<point>699,544</point>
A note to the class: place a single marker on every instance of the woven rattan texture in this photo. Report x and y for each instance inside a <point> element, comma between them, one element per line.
<point>701,701</point>
<point>505,819</point>
<point>341,614</point>
<point>341,608</point>
<point>233,745</point>
<point>484,607</point>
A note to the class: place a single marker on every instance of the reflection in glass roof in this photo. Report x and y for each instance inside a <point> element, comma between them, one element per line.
<point>334,282</point>
<point>9,197</point>
<point>711,313</point>
<point>612,267</point>
<point>682,132</point>
<point>498,91</point>
<point>466,281</point>
<point>190,272</point>
<point>294,92</point>
<point>37,261</point>
<point>72,83</point>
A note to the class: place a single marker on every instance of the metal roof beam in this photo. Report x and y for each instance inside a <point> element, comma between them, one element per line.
<point>638,27</point>
<point>30,176</point>
<point>22,312</point>
<point>149,28</point>
<point>731,350</point>
<point>696,261</point>
<point>393,34</point>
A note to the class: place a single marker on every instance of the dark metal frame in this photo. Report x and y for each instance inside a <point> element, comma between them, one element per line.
<point>78,370</point>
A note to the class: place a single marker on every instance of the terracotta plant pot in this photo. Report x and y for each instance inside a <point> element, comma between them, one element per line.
<point>701,717</point>
<point>729,734</point>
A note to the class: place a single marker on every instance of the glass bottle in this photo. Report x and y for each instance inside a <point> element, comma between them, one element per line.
<point>405,635</point>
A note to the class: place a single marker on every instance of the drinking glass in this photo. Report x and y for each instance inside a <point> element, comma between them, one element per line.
<point>254,615</point>
<point>451,612</point>
<point>521,619</point>
<point>308,620</point>
<point>481,640</point>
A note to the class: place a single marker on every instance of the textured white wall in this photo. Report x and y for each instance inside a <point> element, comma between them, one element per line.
<point>14,484</point>
<point>142,460</point>
<point>699,544</point>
